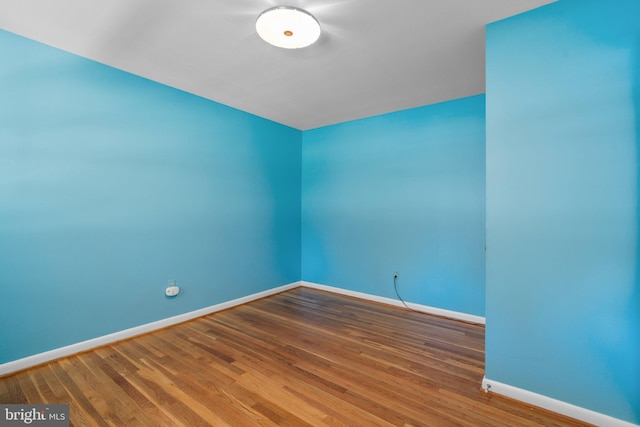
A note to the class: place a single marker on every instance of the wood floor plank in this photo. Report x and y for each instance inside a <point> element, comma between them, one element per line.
<point>300,358</point>
<point>11,391</point>
<point>28,388</point>
<point>76,389</point>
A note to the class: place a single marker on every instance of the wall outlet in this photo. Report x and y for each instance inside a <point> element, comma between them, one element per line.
<point>395,275</point>
<point>172,291</point>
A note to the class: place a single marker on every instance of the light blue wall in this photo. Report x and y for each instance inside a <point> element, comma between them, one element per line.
<point>399,192</point>
<point>563,287</point>
<point>110,185</point>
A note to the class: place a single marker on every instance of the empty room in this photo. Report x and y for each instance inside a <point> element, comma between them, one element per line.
<point>320,213</point>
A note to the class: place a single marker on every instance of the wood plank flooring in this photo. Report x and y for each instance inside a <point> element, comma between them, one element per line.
<point>299,358</point>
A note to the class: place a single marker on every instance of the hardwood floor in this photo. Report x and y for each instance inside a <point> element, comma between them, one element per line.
<point>300,358</point>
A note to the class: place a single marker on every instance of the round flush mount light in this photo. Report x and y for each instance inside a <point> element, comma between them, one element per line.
<point>288,27</point>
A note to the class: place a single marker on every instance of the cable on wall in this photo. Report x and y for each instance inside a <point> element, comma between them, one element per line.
<point>395,287</point>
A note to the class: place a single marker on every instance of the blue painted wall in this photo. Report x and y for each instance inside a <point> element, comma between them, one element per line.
<point>111,185</point>
<point>399,192</point>
<point>563,287</point>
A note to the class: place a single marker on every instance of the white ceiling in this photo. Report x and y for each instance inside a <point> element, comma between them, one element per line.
<point>373,57</point>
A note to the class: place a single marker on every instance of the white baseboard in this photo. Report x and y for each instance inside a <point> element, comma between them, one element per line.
<point>418,307</point>
<point>554,405</point>
<point>487,384</point>
<point>38,359</point>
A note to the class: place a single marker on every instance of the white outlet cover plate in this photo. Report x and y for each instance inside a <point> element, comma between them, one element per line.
<point>172,291</point>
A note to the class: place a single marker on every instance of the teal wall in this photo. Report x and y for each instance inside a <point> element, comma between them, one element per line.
<point>563,282</point>
<point>399,192</point>
<point>111,185</point>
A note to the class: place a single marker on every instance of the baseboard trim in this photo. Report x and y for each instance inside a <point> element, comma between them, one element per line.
<point>41,358</point>
<point>48,356</point>
<point>488,385</point>
<point>558,406</point>
<point>418,307</point>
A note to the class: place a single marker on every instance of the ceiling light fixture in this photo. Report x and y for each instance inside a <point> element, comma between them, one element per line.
<point>288,27</point>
